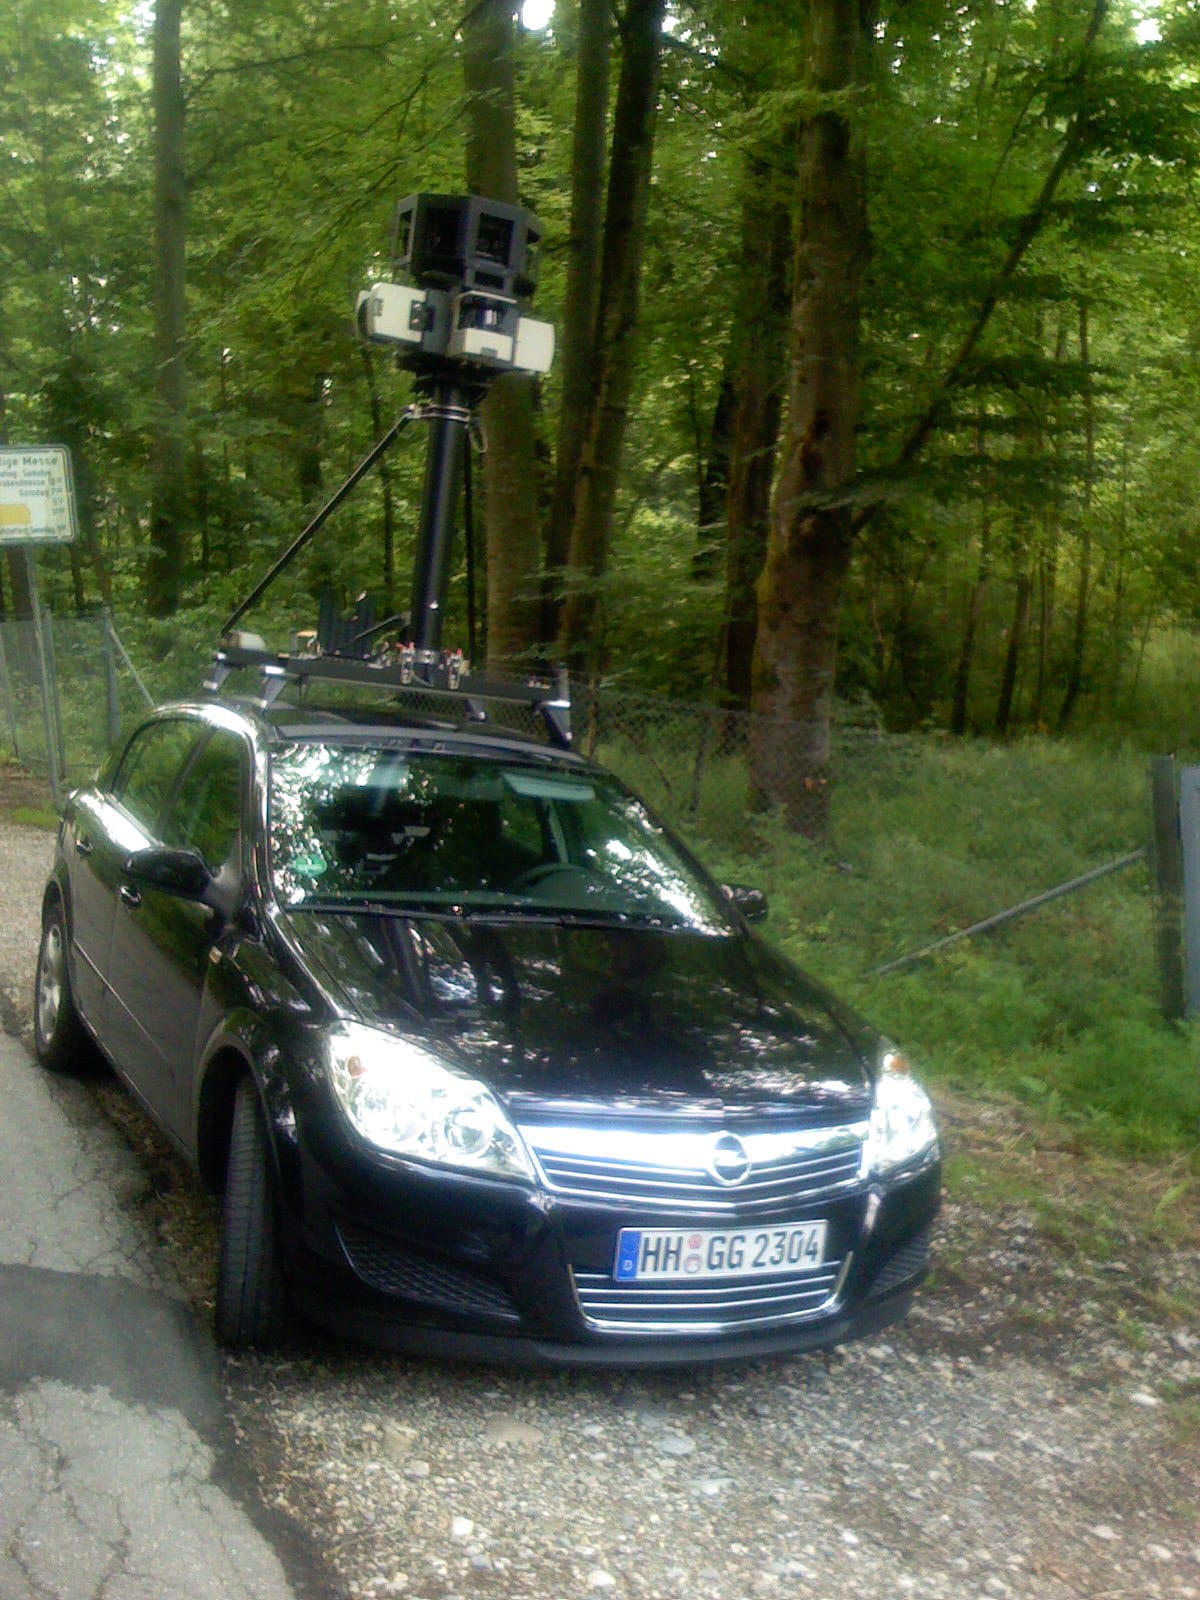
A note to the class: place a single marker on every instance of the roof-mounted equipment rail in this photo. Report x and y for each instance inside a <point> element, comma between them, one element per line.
<point>396,673</point>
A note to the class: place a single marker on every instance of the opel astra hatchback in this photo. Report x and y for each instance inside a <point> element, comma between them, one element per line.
<point>481,1059</point>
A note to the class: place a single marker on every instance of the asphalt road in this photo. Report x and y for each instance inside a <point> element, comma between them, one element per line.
<point>117,1481</point>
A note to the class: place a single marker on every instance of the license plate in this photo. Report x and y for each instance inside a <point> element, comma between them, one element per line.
<point>662,1253</point>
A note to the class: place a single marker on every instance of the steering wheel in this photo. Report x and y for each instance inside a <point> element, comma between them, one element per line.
<point>544,870</point>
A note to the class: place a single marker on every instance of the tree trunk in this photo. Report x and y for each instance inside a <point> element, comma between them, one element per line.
<point>1047,590</point>
<point>168,508</point>
<point>1047,552</point>
<point>89,533</point>
<point>1012,656</point>
<point>712,488</point>
<point>808,552</point>
<point>1116,655</point>
<point>620,280</point>
<point>78,599</point>
<point>379,428</point>
<point>758,394</point>
<point>966,654</point>
<point>509,468</point>
<point>202,504</point>
<point>578,325</point>
<point>18,581</point>
<point>228,541</point>
<point>309,411</point>
<point>1083,590</point>
<point>21,607</point>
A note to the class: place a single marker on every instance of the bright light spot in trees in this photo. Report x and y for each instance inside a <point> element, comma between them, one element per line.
<point>536,14</point>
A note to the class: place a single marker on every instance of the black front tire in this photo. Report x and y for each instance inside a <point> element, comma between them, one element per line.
<point>251,1310</point>
<point>60,1040</point>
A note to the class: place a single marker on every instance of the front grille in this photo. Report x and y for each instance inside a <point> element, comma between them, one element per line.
<point>660,1170</point>
<point>697,1308</point>
<point>394,1268</point>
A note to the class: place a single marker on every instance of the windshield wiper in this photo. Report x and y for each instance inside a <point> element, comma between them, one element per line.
<point>512,912</point>
<point>564,916</point>
<point>374,908</point>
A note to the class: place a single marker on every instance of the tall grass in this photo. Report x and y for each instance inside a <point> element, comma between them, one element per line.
<point>1059,1008</point>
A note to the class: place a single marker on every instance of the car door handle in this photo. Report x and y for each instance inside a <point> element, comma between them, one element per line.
<point>130,895</point>
<point>83,847</point>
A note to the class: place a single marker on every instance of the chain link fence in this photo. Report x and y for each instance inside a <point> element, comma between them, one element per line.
<point>913,838</point>
<point>694,762</point>
<point>67,688</point>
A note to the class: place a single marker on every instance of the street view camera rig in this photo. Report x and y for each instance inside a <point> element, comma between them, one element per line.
<point>457,325</point>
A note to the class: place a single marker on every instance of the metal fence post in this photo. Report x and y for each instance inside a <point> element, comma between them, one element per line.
<point>133,671</point>
<point>111,687</point>
<point>10,702</point>
<point>48,717</point>
<point>1166,864</point>
<point>58,757</point>
<point>1189,833</point>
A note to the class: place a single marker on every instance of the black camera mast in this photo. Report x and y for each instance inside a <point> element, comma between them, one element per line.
<point>457,326</point>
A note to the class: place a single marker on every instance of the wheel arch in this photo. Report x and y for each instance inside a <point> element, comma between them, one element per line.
<point>230,1058</point>
<point>224,1070</point>
<point>55,893</point>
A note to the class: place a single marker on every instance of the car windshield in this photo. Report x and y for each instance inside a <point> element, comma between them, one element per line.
<point>357,825</point>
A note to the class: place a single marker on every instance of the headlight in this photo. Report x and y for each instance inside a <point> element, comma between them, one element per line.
<point>902,1125</point>
<point>403,1100</point>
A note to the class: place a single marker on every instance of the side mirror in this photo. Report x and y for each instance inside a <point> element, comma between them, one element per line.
<point>752,903</point>
<point>180,872</point>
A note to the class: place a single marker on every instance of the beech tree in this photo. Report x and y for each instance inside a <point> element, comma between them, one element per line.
<point>615,345</point>
<point>808,548</point>
<point>980,502</point>
<point>578,330</point>
<point>512,522</point>
<point>164,564</point>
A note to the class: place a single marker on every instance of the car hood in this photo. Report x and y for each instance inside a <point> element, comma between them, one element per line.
<point>547,1014</point>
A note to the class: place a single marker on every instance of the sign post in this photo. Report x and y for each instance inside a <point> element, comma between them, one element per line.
<point>37,506</point>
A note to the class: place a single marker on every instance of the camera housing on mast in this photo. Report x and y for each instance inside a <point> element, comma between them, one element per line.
<point>472,260</point>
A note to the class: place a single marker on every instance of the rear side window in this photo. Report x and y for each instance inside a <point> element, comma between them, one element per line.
<point>150,765</point>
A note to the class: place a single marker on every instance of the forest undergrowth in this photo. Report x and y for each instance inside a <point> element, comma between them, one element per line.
<point>1059,1009</point>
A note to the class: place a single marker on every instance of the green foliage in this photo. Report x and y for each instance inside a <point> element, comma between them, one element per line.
<point>305,121</point>
<point>34,817</point>
<point>1058,1009</point>
<point>1052,502</point>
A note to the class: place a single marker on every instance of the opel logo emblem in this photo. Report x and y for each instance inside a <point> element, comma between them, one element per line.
<point>729,1163</point>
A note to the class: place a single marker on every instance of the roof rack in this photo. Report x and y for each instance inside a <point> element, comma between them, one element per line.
<point>399,671</point>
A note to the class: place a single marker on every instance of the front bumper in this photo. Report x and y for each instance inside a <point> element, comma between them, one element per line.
<point>410,1259</point>
<point>380,1329</point>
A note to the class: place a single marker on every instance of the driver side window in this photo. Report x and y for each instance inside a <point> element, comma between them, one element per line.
<point>206,814</point>
<point>150,766</point>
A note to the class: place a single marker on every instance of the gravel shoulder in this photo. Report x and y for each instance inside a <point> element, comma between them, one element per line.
<point>1032,1431</point>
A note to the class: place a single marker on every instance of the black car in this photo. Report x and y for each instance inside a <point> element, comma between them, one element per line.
<point>482,1060</point>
